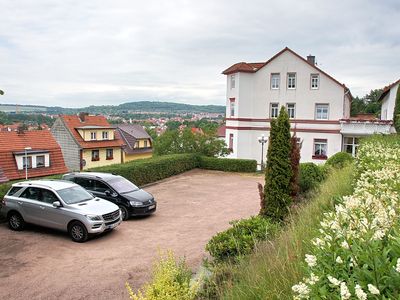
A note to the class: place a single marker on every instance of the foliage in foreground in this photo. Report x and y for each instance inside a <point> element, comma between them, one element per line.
<point>241,238</point>
<point>357,253</point>
<point>278,171</point>
<point>171,281</point>
<point>310,176</point>
<point>396,112</point>
<point>339,160</point>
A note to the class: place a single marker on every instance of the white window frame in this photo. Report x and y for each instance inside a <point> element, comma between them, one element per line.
<point>108,151</point>
<point>233,81</point>
<point>291,109</point>
<point>105,135</point>
<point>291,81</point>
<point>275,81</point>
<point>93,136</point>
<point>320,144</point>
<point>321,106</point>
<point>354,144</point>
<point>274,110</point>
<point>314,81</point>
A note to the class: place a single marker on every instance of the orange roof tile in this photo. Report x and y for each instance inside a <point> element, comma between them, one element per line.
<point>72,122</point>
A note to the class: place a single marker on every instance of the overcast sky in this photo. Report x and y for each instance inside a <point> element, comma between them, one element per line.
<point>91,52</point>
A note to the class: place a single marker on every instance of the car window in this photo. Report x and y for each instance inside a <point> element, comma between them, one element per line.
<point>31,193</point>
<point>74,194</point>
<point>100,187</point>
<point>122,185</point>
<point>48,196</point>
<point>14,190</point>
<point>85,182</point>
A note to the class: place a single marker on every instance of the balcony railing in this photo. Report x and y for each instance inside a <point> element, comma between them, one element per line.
<point>365,127</point>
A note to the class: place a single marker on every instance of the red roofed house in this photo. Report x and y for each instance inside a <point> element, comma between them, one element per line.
<point>388,100</point>
<point>87,141</point>
<point>43,155</point>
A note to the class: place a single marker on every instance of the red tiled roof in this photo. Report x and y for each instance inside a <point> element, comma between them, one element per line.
<point>197,130</point>
<point>36,139</point>
<point>254,67</point>
<point>387,88</point>
<point>221,132</point>
<point>72,122</point>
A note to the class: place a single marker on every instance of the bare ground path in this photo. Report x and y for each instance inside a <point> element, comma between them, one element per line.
<point>45,264</point>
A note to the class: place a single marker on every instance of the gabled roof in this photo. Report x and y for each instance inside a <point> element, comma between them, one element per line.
<point>254,67</point>
<point>73,123</point>
<point>387,88</point>
<point>130,133</point>
<point>13,142</point>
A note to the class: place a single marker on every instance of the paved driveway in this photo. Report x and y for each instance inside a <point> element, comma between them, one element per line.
<point>45,264</point>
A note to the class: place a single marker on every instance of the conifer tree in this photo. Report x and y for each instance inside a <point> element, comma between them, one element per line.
<point>396,113</point>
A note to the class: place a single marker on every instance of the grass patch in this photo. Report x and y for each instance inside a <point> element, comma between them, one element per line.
<point>275,266</point>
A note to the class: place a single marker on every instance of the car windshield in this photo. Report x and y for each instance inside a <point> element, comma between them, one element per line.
<point>122,185</point>
<point>74,195</point>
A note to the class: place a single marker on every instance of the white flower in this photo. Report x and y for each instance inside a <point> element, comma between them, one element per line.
<point>339,260</point>
<point>360,293</point>
<point>373,289</point>
<point>311,260</point>
<point>333,280</point>
<point>302,290</point>
<point>398,265</point>
<point>344,291</point>
<point>345,245</point>
<point>312,280</point>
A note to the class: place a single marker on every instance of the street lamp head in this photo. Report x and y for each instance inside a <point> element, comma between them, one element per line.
<point>262,139</point>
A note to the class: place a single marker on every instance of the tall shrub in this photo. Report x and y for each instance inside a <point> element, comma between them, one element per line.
<point>278,170</point>
<point>295,163</point>
<point>396,113</point>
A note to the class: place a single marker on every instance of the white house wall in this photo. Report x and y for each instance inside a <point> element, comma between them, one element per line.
<point>388,104</point>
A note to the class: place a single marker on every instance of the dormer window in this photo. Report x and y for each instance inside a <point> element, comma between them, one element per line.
<point>93,135</point>
<point>105,135</point>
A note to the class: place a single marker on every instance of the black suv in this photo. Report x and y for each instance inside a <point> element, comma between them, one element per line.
<point>132,200</point>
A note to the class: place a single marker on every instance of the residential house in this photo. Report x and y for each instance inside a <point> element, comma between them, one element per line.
<point>137,142</point>
<point>35,152</point>
<point>318,106</point>
<point>87,141</point>
<point>221,132</point>
<point>388,100</point>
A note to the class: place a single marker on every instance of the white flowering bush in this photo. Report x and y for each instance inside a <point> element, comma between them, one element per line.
<point>357,252</point>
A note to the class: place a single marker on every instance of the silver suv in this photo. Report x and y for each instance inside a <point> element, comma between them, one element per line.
<point>61,205</point>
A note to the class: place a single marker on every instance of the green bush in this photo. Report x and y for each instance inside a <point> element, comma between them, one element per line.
<point>227,164</point>
<point>149,170</point>
<point>310,176</point>
<point>241,238</point>
<point>339,160</point>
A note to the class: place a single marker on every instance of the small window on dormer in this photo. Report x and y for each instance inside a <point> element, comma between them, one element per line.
<point>233,83</point>
<point>105,135</point>
<point>93,135</point>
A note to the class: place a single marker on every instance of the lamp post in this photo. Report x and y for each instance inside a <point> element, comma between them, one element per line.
<point>262,140</point>
<point>26,161</point>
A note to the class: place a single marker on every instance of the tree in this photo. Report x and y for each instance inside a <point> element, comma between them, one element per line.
<point>174,141</point>
<point>295,163</point>
<point>173,125</point>
<point>396,113</point>
<point>1,92</point>
<point>278,170</point>
<point>367,104</point>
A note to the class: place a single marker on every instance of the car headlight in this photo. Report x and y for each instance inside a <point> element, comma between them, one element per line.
<point>93,217</point>
<point>135,203</point>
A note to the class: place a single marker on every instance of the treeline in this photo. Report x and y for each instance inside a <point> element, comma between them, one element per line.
<point>28,119</point>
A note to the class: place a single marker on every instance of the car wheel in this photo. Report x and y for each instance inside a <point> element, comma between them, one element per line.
<point>125,213</point>
<point>78,232</point>
<point>15,221</point>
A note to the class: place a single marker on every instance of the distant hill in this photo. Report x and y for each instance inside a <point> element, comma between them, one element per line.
<point>129,107</point>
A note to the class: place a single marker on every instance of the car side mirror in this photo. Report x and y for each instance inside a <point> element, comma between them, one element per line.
<point>107,193</point>
<point>56,204</point>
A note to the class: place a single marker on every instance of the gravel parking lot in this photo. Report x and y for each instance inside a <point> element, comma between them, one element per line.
<point>45,264</point>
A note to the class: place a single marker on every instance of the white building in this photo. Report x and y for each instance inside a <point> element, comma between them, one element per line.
<point>388,99</point>
<point>318,107</point>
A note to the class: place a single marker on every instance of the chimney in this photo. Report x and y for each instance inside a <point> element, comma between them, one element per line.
<point>82,116</point>
<point>311,59</point>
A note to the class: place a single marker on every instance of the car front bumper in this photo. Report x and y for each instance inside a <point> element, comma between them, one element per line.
<point>95,227</point>
<point>142,210</point>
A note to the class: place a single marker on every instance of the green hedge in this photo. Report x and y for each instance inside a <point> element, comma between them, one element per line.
<point>149,170</point>
<point>227,164</point>
<point>310,176</point>
<point>241,238</point>
<point>339,160</point>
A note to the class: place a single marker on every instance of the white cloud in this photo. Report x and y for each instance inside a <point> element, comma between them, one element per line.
<point>78,53</point>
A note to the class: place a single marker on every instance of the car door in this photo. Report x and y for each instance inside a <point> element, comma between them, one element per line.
<point>103,191</point>
<point>31,204</point>
<point>54,217</point>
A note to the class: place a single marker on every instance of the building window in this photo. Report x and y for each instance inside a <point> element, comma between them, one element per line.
<point>95,155</point>
<point>145,144</point>
<point>314,81</point>
<point>274,110</point>
<point>136,144</point>
<point>320,149</point>
<point>275,81</point>
<point>27,162</point>
<point>233,83</point>
<point>93,135</point>
<point>109,154</point>
<point>40,161</point>
<point>291,110</point>
<point>321,111</point>
<point>105,135</point>
<point>232,106</point>
<point>291,81</point>
<point>351,145</point>
<point>231,141</point>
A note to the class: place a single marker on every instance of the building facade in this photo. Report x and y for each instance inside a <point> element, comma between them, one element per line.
<point>388,100</point>
<point>318,106</point>
<point>87,141</point>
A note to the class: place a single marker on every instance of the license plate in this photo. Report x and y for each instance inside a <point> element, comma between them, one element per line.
<point>111,226</point>
<point>151,207</point>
